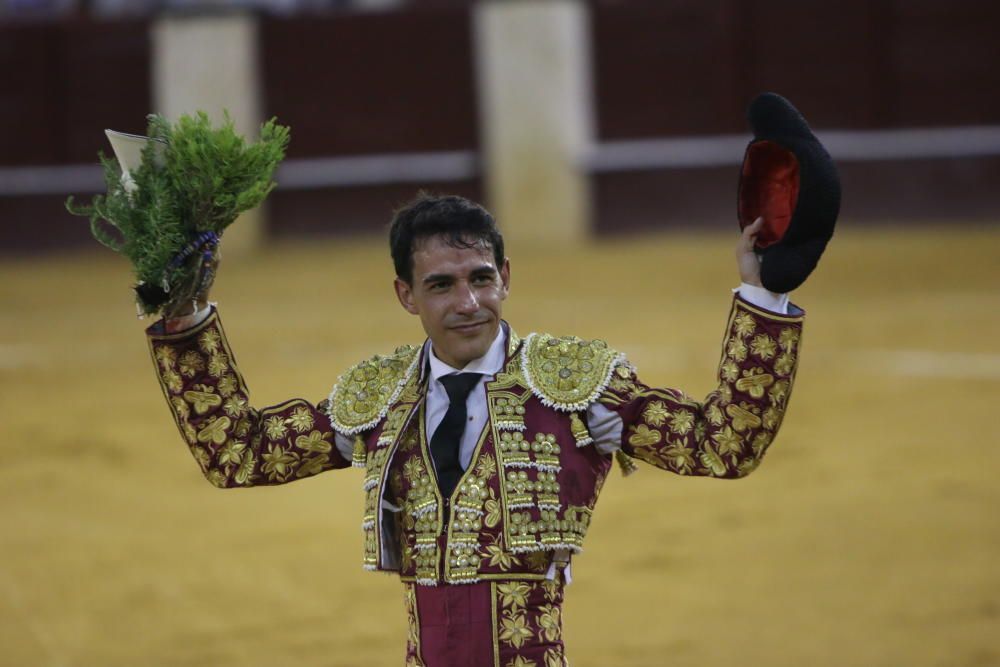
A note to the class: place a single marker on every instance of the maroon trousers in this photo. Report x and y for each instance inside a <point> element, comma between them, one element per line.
<point>485,624</point>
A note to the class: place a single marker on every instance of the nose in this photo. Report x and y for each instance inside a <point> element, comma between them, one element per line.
<point>466,301</point>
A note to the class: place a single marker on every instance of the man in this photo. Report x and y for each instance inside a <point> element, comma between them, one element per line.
<point>484,452</point>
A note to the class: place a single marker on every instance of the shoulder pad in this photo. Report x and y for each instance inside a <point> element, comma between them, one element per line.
<point>567,373</point>
<point>363,395</point>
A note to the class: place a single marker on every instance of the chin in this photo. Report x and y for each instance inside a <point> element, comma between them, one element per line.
<point>472,350</point>
<point>466,349</point>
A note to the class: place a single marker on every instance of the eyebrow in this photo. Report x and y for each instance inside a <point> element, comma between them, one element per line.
<point>485,269</point>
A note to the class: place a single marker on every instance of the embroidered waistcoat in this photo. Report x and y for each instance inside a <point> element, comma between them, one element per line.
<point>529,491</point>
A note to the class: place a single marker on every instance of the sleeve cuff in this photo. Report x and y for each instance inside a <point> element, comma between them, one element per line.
<point>179,324</point>
<point>762,298</point>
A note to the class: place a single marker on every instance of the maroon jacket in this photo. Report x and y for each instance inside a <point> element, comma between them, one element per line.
<point>529,493</point>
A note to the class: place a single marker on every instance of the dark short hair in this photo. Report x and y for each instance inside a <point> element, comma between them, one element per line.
<point>460,222</point>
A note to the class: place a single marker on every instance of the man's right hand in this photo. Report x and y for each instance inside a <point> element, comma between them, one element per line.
<point>193,296</point>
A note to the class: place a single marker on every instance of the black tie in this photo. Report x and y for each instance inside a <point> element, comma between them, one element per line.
<point>447,439</point>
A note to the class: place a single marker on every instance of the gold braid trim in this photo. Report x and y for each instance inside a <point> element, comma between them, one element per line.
<point>362,396</point>
<point>568,373</point>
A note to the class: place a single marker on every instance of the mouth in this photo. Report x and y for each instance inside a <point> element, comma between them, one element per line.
<point>470,328</point>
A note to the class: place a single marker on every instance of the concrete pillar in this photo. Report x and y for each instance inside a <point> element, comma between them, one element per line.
<point>536,117</point>
<point>209,63</point>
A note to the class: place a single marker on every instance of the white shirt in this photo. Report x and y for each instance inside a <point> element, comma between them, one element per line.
<point>437,396</point>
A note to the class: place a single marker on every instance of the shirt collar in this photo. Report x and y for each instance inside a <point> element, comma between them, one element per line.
<point>489,364</point>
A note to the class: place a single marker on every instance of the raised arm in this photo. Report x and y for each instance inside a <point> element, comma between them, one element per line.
<point>235,444</point>
<point>727,434</point>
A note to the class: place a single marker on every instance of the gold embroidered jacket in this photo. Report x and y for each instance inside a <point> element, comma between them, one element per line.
<point>530,490</point>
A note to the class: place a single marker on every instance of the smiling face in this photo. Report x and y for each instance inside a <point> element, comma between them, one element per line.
<point>457,292</point>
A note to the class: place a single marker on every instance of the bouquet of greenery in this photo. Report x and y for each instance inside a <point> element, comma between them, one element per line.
<point>166,215</point>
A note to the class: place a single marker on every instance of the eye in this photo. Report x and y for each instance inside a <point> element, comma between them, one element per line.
<point>482,280</point>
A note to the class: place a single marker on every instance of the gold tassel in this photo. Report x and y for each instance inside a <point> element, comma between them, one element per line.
<point>359,457</point>
<point>579,430</point>
<point>627,465</point>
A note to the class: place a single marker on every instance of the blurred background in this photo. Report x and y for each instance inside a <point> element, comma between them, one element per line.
<point>606,136</point>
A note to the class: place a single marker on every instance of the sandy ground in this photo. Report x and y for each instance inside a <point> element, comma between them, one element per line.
<point>869,537</point>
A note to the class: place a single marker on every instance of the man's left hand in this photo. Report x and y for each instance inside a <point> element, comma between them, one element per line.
<point>746,258</point>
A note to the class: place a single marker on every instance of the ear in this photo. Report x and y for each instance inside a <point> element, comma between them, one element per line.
<point>505,277</point>
<point>405,295</point>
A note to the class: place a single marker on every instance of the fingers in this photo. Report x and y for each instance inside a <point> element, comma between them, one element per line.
<point>749,236</point>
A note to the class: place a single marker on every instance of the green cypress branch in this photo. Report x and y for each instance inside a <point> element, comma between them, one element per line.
<point>197,179</point>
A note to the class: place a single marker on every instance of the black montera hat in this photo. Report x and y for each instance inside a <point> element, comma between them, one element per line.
<point>790,179</point>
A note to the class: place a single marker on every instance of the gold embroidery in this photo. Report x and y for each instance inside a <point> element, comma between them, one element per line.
<point>215,430</point>
<point>754,382</point>
<point>550,621</point>
<point>216,478</point>
<point>788,339</point>
<point>728,441</point>
<point>681,421</point>
<point>227,384</point>
<point>275,427</point>
<point>714,414</point>
<point>744,325</point>
<point>315,442</point>
<point>180,407</point>
<point>680,457</point>
<point>763,347</point>
<point>412,627</point>
<point>202,401</point>
<point>567,373</point>
<point>190,364</point>
<point>218,364</point>
<point>278,462</point>
<point>742,417</point>
<point>554,658</point>
<point>507,410</point>
<point>760,442</point>
<point>784,364</point>
<point>712,461</point>
<point>779,392</point>
<point>514,628</point>
<point>736,349</point>
<point>513,594</point>
<point>643,436</point>
<point>312,465</point>
<point>771,418</point>
<point>301,419</point>
<point>244,474</point>
<point>172,381</point>
<point>165,356</point>
<point>500,557</point>
<point>209,341</point>
<point>492,507</point>
<point>729,370</point>
<point>364,392</point>
<point>235,406</point>
<point>232,452</point>
<point>655,413</point>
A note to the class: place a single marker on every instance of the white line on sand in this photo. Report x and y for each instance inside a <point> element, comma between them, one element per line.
<point>931,363</point>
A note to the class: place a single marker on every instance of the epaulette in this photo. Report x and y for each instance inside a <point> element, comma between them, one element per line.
<point>362,396</point>
<point>567,373</point>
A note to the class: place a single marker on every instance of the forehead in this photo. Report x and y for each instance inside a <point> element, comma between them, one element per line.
<point>433,255</point>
